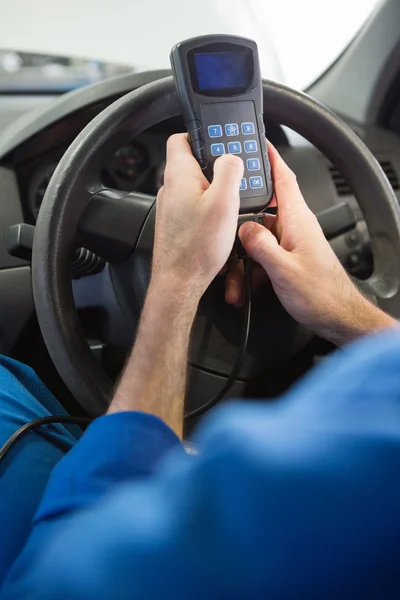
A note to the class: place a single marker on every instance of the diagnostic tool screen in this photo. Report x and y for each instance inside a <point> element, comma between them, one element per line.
<point>223,70</point>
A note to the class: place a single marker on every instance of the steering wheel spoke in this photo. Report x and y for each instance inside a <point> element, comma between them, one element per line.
<point>112,221</point>
<point>108,327</point>
<point>97,294</point>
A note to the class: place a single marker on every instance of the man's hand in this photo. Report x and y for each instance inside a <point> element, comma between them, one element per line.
<point>304,271</point>
<point>196,222</point>
<point>195,231</point>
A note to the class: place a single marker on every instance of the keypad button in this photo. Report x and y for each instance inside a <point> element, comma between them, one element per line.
<point>217,149</point>
<point>256,182</point>
<point>248,128</point>
<point>250,146</point>
<point>232,129</point>
<point>243,184</point>
<point>234,147</point>
<point>253,164</point>
<point>215,131</point>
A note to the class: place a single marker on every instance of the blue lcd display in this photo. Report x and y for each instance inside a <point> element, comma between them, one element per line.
<point>222,70</point>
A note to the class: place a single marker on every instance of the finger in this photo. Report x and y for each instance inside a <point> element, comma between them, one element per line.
<point>235,291</point>
<point>273,203</point>
<point>272,223</point>
<point>269,222</point>
<point>228,173</point>
<point>259,276</point>
<point>234,284</point>
<point>181,162</point>
<point>178,146</point>
<point>230,264</point>
<point>287,191</point>
<point>261,245</point>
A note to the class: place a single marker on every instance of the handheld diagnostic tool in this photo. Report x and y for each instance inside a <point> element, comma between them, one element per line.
<point>219,85</point>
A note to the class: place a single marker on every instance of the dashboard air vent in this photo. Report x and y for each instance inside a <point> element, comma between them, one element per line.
<point>341,185</point>
<point>343,188</point>
<point>390,173</point>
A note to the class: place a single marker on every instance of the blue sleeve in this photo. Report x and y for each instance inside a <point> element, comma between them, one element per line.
<point>115,448</point>
<point>294,499</point>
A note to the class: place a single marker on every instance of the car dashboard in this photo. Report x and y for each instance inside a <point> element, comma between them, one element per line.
<point>136,166</point>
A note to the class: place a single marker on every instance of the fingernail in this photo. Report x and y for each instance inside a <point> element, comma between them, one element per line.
<point>250,225</point>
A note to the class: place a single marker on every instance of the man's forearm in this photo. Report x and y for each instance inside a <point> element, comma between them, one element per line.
<point>154,380</point>
<point>359,318</point>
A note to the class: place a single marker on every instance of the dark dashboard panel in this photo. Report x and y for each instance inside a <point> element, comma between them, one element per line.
<point>10,213</point>
<point>135,166</point>
<point>390,111</point>
<point>131,167</point>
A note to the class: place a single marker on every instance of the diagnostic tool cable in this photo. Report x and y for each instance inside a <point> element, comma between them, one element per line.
<point>242,351</point>
<point>39,423</point>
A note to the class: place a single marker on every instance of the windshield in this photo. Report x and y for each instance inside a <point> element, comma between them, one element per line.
<point>53,45</point>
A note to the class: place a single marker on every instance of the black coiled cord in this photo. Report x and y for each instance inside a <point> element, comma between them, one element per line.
<point>39,423</point>
<point>243,347</point>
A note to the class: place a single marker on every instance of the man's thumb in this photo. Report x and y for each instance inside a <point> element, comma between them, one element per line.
<point>261,244</point>
<point>228,172</point>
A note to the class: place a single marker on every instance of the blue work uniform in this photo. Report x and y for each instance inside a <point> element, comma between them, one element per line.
<point>299,498</point>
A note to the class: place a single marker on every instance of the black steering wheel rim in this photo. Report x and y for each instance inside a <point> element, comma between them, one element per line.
<point>69,193</point>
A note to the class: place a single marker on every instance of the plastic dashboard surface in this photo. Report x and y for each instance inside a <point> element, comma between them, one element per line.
<point>41,128</point>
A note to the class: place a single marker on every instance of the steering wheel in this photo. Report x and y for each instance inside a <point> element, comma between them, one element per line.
<point>78,210</point>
